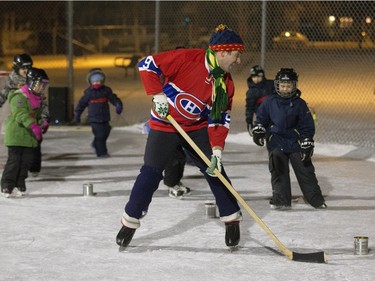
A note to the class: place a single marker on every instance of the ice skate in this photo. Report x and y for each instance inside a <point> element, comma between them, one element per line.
<point>279,207</point>
<point>178,191</point>
<point>323,206</point>
<point>232,234</point>
<point>19,192</point>
<point>6,192</point>
<point>104,156</point>
<point>124,237</point>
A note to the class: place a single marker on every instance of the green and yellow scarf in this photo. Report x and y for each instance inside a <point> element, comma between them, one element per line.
<point>219,91</point>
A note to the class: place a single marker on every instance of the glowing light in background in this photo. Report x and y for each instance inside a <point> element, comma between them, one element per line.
<point>331,19</point>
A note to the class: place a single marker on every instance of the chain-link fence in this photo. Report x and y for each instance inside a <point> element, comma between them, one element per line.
<point>331,45</point>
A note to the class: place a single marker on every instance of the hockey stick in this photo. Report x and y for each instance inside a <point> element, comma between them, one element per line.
<point>318,257</point>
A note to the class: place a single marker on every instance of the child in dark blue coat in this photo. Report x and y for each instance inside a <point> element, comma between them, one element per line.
<point>96,98</point>
<point>259,87</point>
<point>286,123</point>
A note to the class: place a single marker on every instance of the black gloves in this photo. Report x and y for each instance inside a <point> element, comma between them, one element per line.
<point>307,149</point>
<point>250,129</point>
<point>259,132</point>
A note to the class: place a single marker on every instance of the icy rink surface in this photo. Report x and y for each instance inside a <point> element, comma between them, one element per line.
<point>55,233</point>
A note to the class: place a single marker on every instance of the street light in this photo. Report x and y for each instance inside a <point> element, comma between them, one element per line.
<point>331,19</point>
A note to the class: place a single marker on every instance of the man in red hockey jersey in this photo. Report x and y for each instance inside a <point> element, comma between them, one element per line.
<point>198,94</point>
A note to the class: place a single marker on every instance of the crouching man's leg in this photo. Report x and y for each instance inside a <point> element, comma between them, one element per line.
<point>144,187</point>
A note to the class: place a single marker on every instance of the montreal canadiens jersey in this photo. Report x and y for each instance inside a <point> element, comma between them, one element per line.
<point>183,75</point>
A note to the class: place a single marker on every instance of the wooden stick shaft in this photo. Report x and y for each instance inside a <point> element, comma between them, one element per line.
<point>285,250</point>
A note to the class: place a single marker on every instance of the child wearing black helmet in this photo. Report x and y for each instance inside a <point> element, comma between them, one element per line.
<point>21,63</point>
<point>23,131</point>
<point>17,78</point>
<point>96,98</point>
<point>286,123</point>
<point>259,87</point>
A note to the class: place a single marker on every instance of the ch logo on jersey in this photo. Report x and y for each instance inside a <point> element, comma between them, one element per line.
<point>189,106</point>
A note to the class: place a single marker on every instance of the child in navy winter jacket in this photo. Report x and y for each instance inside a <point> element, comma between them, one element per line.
<point>259,87</point>
<point>96,98</point>
<point>286,123</point>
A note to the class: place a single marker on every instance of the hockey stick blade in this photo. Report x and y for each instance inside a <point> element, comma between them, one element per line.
<point>318,257</point>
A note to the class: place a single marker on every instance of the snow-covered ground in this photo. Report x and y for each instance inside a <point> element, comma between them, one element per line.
<point>56,233</point>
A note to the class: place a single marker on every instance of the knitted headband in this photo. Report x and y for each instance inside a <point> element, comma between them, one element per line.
<point>225,39</point>
<point>96,77</point>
